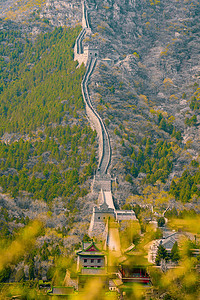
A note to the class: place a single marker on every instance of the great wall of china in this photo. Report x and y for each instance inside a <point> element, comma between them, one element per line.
<point>102,179</point>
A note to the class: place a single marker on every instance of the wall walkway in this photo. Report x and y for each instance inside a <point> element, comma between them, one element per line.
<point>102,178</point>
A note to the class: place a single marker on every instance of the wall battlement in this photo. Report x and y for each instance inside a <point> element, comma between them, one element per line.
<point>102,180</point>
<point>88,55</point>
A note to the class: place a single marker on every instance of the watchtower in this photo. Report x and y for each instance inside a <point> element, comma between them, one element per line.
<point>91,52</point>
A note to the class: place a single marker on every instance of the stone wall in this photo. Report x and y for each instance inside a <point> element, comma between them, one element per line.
<point>85,23</point>
<point>88,56</point>
<point>91,113</point>
<point>93,271</point>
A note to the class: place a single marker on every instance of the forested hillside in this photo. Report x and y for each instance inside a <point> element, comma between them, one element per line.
<point>47,148</point>
<point>145,87</point>
<point>40,98</point>
<point>148,92</point>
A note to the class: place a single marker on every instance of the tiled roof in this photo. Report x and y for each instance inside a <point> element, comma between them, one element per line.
<point>85,253</point>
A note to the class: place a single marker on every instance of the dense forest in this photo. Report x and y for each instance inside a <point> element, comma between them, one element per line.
<point>153,159</point>
<point>40,101</point>
<point>47,148</point>
<point>34,75</point>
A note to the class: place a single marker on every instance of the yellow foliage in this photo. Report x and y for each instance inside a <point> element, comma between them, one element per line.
<point>158,111</point>
<point>95,34</point>
<point>153,111</point>
<point>168,82</point>
<point>197,94</point>
<point>87,39</point>
<point>101,27</point>
<point>171,119</point>
<point>100,107</point>
<point>173,97</point>
<point>188,144</point>
<point>136,54</point>
<point>23,243</point>
<point>132,199</point>
<point>154,2</point>
<point>147,25</point>
<point>144,98</point>
<point>181,282</point>
<point>164,52</point>
<point>10,15</point>
<point>187,224</point>
<point>130,232</point>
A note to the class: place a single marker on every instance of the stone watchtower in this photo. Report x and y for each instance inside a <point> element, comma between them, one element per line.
<point>90,52</point>
<point>100,216</point>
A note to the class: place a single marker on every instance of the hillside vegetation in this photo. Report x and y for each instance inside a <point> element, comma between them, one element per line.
<point>149,97</point>
<point>49,151</point>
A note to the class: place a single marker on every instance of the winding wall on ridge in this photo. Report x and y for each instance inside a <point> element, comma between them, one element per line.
<point>84,56</point>
<point>102,179</point>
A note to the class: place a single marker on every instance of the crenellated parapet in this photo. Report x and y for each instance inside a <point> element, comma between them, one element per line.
<point>102,179</point>
<point>88,55</point>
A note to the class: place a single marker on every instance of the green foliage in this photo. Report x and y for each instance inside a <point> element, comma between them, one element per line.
<point>50,273</point>
<point>175,256</point>
<point>184,95</point>
<point>5,274</point>
<point>185,187</point>
<point>117,132</point>
<point>177,135</point>
<point>191,213</point>
<point>195,99</point>
<point>194,163</point>
<point>167,297</point>
<point>155,160</point>
<point>42,89</point>
<point>158,234</point>
<point>164,124</point>
<point>161,254</point>
<point>192,121</point>
<point>161,222</point>
<point>182,214</point>
<point>20,275</point>
<point>45,180</point>
<point>137,210</point>
<point>194,104</point>
<point>40,82</point>
<point>107,122</point>
<point>86,238</point>
<point>112,89</point>
<point>171,213</point>
<point>128,178</point>
<point>167,126</point>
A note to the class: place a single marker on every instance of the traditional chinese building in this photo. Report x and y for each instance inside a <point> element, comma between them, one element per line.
<point>134,267</point>
<point>91,263</point>
<point>133,274</point>
<point>91,260</point>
